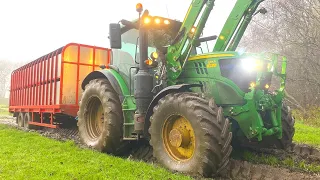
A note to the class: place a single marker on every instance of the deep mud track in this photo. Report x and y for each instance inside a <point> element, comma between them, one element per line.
<point>237,169</point>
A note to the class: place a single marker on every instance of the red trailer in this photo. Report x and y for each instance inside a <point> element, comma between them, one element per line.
<point>50,86</point>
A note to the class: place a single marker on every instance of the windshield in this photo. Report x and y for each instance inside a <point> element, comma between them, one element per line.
<point>130,41</point>
<point>157,38</point>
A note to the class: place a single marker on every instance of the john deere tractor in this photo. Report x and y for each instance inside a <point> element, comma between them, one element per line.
<point>189,105</point>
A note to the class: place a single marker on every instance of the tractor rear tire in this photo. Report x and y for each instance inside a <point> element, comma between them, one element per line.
<point>199,140</point>
<point>100,117</point>
<point>20,119</point>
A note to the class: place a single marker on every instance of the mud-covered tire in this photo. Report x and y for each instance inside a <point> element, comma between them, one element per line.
<point>109,137</point>
<point>288,129</point>
<point>212,136</point>
<point>20,119</point>
<point>28,118</point>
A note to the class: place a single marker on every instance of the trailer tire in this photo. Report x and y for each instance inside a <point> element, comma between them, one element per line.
<point>100,117</point>
<point>27,119</point>
<point>203,146</point>
<point>20,119</point>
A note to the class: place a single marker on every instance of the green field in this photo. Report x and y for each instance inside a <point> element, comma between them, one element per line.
<point>307,135</point>
<point>308,127</point>
<point>4,110</point>
<point>30,156</point>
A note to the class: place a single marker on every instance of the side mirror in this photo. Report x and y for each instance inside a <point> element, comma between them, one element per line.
<point>115,36</point>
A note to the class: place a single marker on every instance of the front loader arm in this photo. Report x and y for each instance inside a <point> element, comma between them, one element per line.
<point>191,28</point>
<point>236,24</point>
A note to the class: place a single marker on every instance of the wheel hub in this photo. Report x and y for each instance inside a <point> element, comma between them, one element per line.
<point>179,138</point>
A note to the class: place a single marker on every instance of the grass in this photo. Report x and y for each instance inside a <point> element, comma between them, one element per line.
<point>287,162</point>
<point>306,134</point>
<point>31,156</point>
<point>4,110</point>
<point>311,117</point>
<point>307,126</point>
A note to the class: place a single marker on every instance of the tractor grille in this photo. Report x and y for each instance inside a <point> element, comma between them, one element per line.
<point>200,68</point>
<point>232,69</point>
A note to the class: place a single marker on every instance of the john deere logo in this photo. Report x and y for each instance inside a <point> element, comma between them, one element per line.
<point>211,64</point>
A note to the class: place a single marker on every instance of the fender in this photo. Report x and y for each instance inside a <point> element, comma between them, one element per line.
<point>115,79</point>
<point>161,94</point>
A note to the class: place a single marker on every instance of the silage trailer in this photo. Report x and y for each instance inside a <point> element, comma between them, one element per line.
<point>50,86</point>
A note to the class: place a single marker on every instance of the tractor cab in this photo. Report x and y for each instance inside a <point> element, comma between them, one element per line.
<point>124,41</point>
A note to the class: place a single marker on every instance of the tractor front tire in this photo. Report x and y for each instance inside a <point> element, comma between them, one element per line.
<point>100,118</point>
<point>190,134</point>
<point>288,129</point>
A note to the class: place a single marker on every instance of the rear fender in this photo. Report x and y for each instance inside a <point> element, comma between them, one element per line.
<point>115,79</point>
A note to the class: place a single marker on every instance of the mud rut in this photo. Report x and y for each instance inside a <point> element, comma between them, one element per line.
<point>237,169</point>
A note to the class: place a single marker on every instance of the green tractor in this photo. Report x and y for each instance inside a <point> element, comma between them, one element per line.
<point>189,105</point>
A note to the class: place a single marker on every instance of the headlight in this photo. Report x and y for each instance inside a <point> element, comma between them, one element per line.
<point>147,20</point>
<point>250,64</point>
<point>154,55</point>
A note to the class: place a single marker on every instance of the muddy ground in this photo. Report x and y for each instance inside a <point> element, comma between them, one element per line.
<point>237,169</point>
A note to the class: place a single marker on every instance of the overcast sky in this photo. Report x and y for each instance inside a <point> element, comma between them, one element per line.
<point>32,28</point>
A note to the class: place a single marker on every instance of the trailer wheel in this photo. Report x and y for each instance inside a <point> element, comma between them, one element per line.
<point>100,117</point>
<point>27,119</point>
<point>189,134</point>
<point>20,119</point>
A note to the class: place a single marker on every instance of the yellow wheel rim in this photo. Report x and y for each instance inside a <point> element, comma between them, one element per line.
<point>178,137</point>
<point>94,118</point>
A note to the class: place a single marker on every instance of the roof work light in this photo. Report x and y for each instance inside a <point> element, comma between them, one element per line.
<point>139,8</point>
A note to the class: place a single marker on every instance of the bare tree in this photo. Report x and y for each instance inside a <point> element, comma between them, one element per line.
<point>291,28</point>
<point>6,68</point>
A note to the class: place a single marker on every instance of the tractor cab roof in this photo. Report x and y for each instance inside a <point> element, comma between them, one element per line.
<point>173,26</point>
<point>160,35</point>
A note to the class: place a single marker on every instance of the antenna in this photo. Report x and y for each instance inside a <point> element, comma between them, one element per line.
<point>167,11</point>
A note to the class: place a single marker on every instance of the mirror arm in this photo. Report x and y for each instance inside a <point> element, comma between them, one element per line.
<point>129,24</point>
<point>204,39</point>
